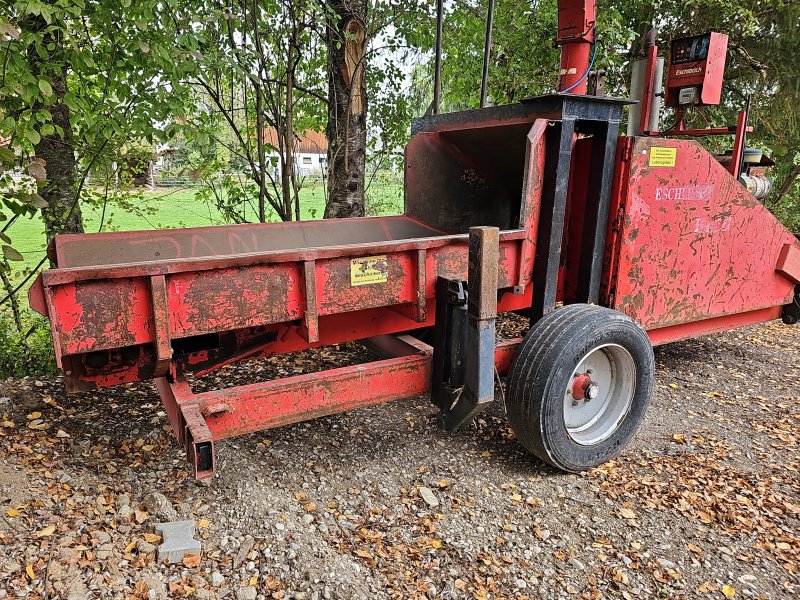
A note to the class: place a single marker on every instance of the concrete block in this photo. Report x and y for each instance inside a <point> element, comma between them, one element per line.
<point>178,541</point>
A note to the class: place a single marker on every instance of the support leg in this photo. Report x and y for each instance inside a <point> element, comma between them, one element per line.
<point>478,390</point>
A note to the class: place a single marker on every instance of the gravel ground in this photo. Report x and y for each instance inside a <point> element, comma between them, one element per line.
<point>380,503</point>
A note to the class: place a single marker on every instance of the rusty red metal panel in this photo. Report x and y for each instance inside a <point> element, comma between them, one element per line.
<point>533,179</point>
<point>684,331</point>
<point>226,299</point>
<point>789,262</point>
<point>98,315</point>
<point>391,279</point>
<point>693,244</point>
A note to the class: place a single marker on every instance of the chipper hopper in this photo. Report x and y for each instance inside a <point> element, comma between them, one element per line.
<point>608,244</point>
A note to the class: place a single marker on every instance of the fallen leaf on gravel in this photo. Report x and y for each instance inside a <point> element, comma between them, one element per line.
<point>34,415</point>
<point>485,454</point>
<point>310,506</point>
<point>191,560</point>
<point>152,538</point>
<point>129,547</point>
<point>673,386</point>
<point>8,424</point>
<point>728,591</point>
<point>627,513</point>
<point>364,553</point>
<point>678,437</point>
<point>49,530</point>
<point>253,580</point>
<point>696,549</point>
<point>148,447</point>
<point>12,512</point>
<point>29,571</point>
<point>203,523</point>
<point>705,588</point>
<point>61,434</point>
<point>38,424</point>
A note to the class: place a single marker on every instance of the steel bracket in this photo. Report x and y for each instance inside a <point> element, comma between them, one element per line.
<point>464,371</point>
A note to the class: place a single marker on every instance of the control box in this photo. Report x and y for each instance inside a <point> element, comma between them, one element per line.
<point>696,69</point>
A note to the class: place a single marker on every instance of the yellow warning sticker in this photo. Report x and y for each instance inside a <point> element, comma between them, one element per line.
<point>369,270</point>
<point>663,157</point>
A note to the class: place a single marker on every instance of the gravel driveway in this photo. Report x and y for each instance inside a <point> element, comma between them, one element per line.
<point>380,503</point>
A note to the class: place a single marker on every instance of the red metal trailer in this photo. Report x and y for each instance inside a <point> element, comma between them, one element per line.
<point>608,244</point>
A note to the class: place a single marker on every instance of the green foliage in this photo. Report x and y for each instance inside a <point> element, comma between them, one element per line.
<point>26,352</point>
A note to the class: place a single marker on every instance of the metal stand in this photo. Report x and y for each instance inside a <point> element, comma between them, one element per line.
<point>464,346</point>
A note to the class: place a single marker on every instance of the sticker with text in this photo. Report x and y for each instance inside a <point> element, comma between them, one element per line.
<point>663,157</point>
<point>369,270</point>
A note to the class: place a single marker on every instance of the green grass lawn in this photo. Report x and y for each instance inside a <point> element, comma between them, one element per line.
<point>170,208</point>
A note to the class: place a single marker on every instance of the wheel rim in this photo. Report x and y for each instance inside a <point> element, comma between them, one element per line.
<point>599,394</point>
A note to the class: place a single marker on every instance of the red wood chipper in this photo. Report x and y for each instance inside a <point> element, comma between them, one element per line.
<point>609,244</point>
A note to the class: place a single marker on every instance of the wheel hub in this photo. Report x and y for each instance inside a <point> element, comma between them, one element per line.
<point>584,388</point>
<point>600,394</point>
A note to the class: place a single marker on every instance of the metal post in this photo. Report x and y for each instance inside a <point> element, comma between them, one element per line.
<point>478,390</point>
<point>487,51</point>
<point>576,36</point>
<point>437,75</point>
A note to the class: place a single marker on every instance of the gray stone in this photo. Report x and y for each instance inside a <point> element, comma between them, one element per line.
<point>244,549</point>
<point>307,519</point>
<point>178,539</point>
<point>521,583</point>
<point>125,513</point>
<point>246,593</point>
<point>145,547</point>
<point>104,552</point>
<point>74,588</point>
<point>216,579</point>
<point>156,590</point>
<point>665,564</point>
<point>101,536</point>
<point>160,507</point>
<point>429,497</point>
<point>574,562</point>
<point>122,500</point>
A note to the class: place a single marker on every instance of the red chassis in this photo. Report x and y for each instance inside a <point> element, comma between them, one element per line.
<point>679,246</point>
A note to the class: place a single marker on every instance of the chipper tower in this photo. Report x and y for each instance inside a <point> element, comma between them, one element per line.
<point>608,243</point>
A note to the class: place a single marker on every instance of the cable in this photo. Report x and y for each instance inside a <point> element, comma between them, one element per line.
<point>588,70</point>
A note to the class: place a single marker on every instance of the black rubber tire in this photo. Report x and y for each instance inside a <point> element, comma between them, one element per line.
<point>542,368</point>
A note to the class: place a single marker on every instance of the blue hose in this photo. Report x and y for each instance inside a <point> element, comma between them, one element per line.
<point>589,70</point>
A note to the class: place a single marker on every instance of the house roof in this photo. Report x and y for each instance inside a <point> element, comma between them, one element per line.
<point>308,142</point>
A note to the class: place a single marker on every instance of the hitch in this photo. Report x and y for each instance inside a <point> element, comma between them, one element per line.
<point>464,335</point>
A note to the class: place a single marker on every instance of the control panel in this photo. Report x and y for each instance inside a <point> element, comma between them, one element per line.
<point>696,69</point>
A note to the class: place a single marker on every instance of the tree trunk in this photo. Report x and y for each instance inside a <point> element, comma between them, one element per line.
<point>347,108</point>
<point>63,212</point>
